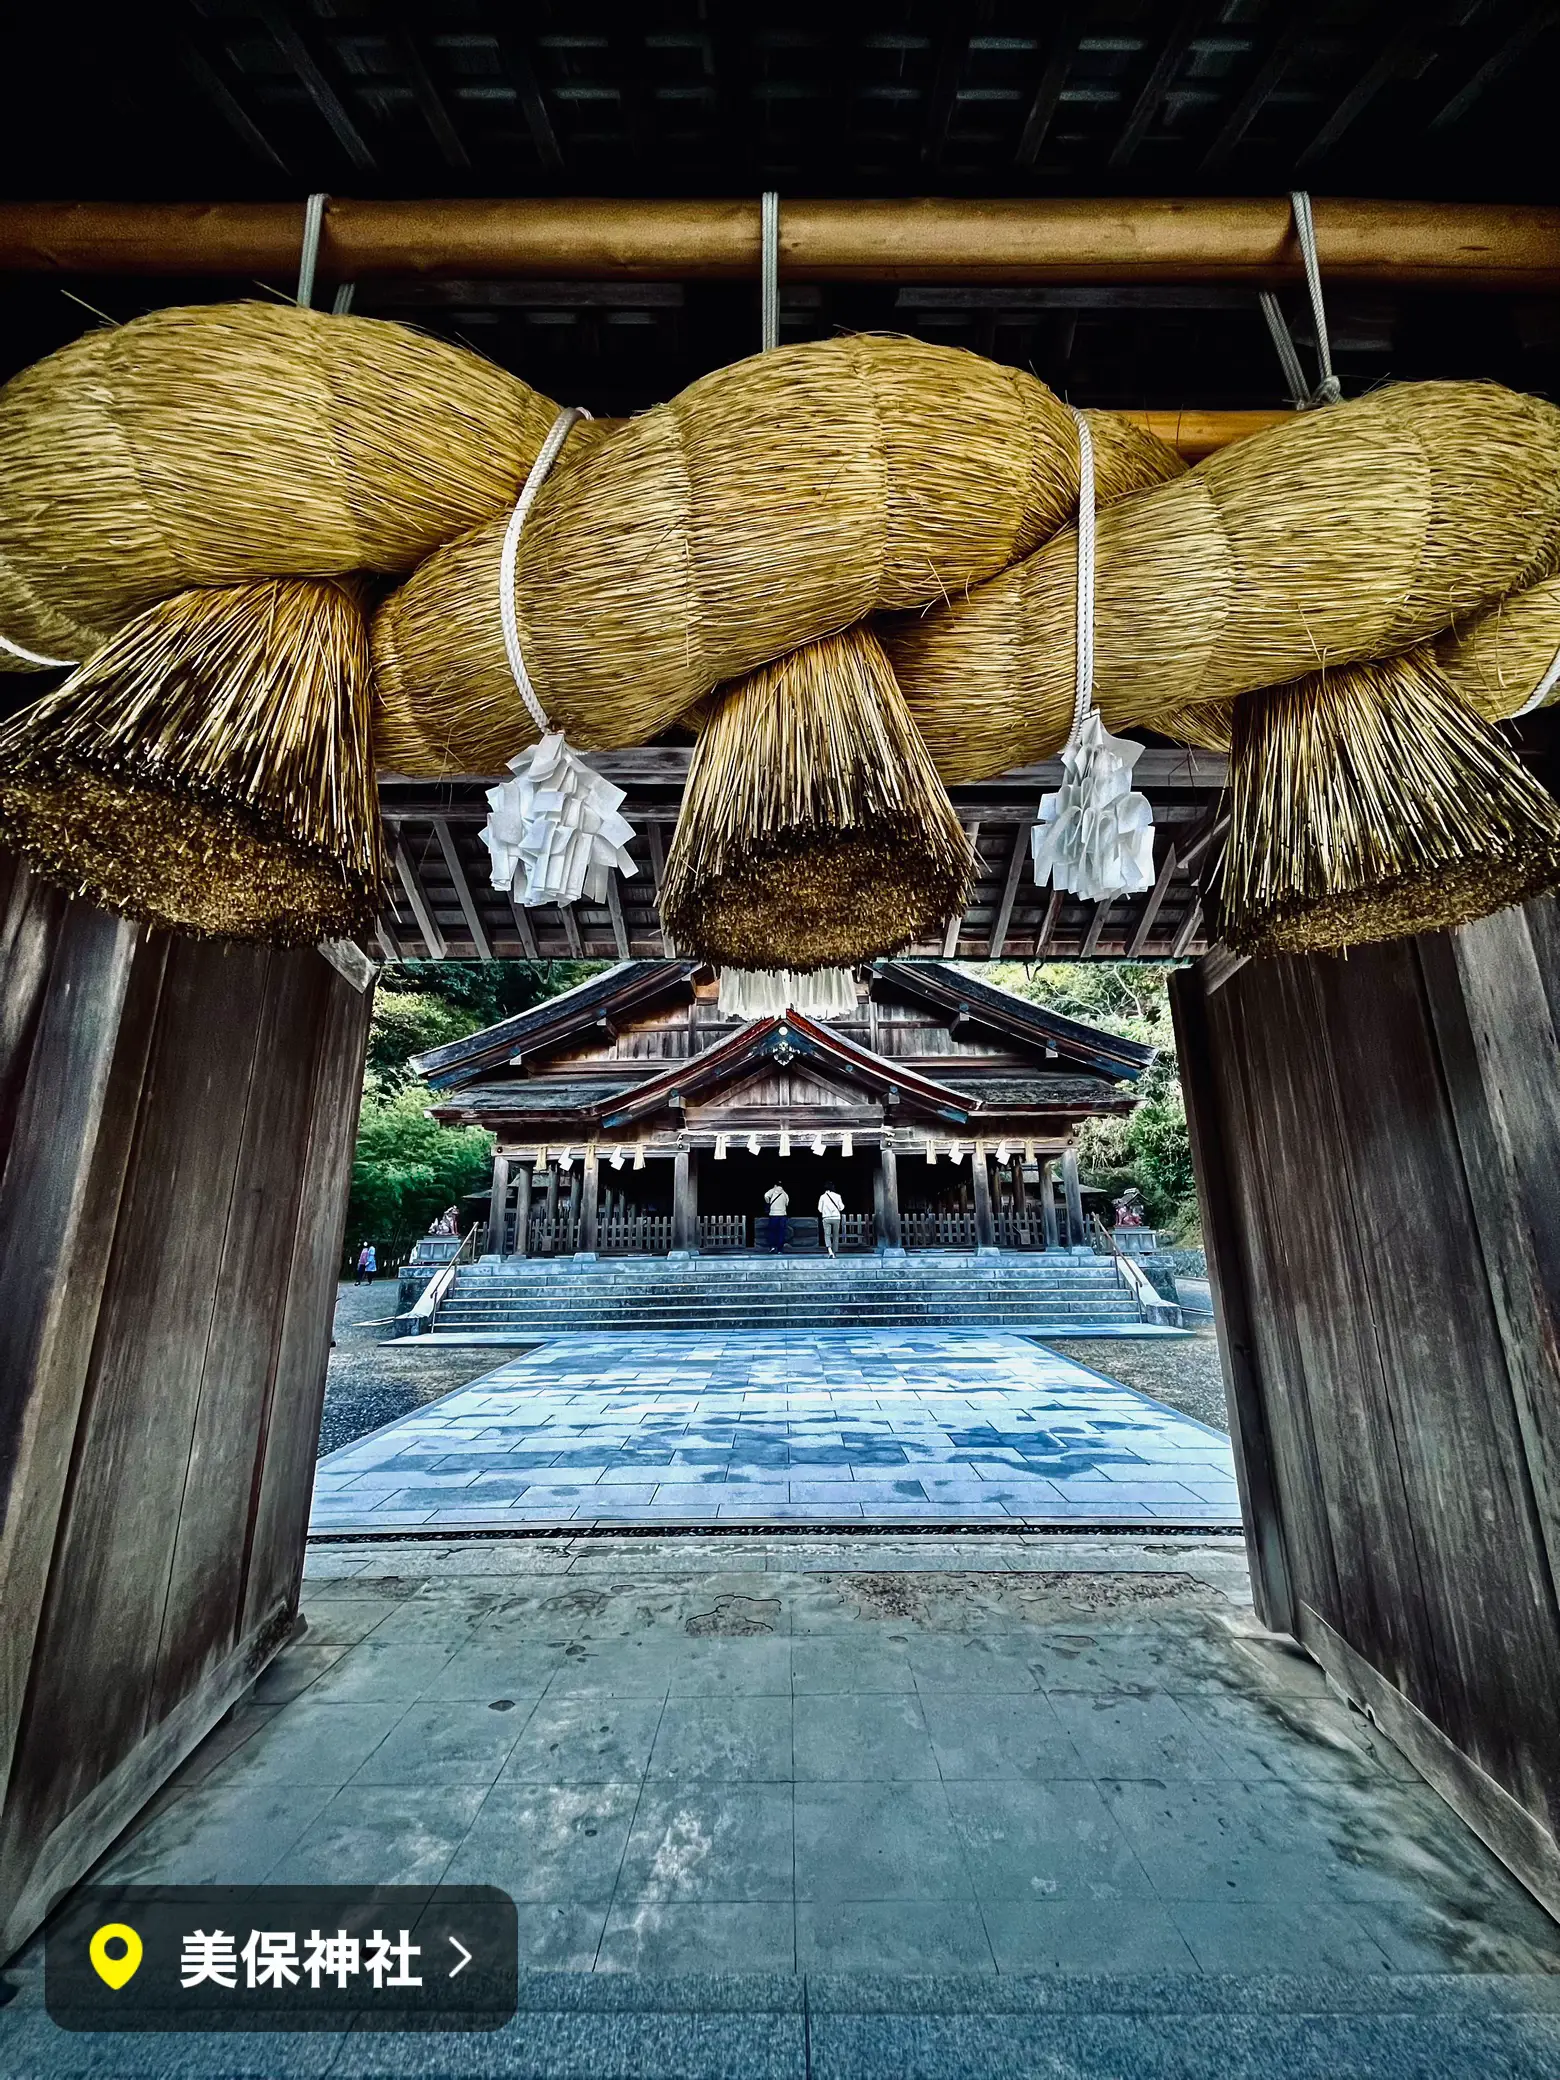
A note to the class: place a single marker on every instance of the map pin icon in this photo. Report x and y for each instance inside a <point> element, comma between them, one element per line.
<point>115,1970</point>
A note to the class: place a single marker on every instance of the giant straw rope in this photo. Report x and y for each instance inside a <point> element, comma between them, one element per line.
<point>785,500</point>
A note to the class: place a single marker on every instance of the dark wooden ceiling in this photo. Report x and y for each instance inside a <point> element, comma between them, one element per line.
<point>236,99</point>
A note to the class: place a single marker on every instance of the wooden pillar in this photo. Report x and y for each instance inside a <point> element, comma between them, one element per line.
<point>685,1203</point>
<point>980,1179</point>
<point>574,1194</point>
<point>552,1195</point>
<point>1075,1234</point>
<point>888,1175</point>
<point>590,1195</point>
<point>498,1201</point>
<point>523,1211</point>
<point>1048,1205</point>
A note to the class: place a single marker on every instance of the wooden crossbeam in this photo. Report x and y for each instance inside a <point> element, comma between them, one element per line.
<point>462,886</point>
<point>1188,931</point>
<point>422,909</point>
<point>516,62</point>
<point>1498,247</point>
<point>208,80</point>
<point>1155,901</point>
<point>1053,911</point>
<point>525,928</point>
<point>430,102</point>
<point>1042,109</point>
<point>318,88</point>
<point>1004,916</point>
<point>615,912</point>
<point>1091,937</point>
<point>1270,70</point>
<point>1149,101</point>
<point>571,929</point>
<point>657,845</point>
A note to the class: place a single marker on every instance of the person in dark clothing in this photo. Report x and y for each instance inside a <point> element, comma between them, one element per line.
<point>778,1200</point>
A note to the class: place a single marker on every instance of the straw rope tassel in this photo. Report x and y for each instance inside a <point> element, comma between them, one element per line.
<point>553,832</point>
<point>1094,836</point>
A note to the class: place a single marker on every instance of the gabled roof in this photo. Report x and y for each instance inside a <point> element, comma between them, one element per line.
<point>784,1039</point>
<point>630,986</point>
<point>947,988</point>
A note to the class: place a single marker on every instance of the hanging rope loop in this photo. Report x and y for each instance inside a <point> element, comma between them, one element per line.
<point>769,271</point>
<point>309,253</point>
<point>1328,389</point>
<point>551,448</point>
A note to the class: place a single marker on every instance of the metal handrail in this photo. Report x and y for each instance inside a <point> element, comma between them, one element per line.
<point>1152,1304</point>
<point>426,1305</point>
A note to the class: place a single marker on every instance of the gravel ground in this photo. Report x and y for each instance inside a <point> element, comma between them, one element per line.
<point>369,1384</point>
<point>1183,1376</point>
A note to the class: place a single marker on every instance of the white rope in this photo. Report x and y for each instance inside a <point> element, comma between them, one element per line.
<point>1083,688</point>
<point>1328,389</point>
<point>308,258</point>
<point>1542,690</point>
<point>36,657</point>
<point>558,433</point>
<point>769,270</point>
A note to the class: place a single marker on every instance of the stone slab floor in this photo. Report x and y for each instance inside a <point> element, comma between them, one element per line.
<point>853,1807</point>
<point>822,1426</point>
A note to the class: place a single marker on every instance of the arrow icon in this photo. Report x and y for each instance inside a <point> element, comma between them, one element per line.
<point>465,1957</point>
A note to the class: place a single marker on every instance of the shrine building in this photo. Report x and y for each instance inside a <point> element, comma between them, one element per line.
<point>634,1118</point>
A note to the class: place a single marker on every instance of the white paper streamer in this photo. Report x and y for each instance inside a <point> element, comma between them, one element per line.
<point>553,831</point>
<point>1094,835</point>
<point>770,992</point>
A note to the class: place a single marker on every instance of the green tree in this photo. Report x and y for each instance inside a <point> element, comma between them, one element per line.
<point>1149,1148</point>
<point>407,1168</point>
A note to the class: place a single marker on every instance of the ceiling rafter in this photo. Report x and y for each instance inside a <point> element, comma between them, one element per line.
<point>204,74</point>
<point>1048,94</point>
<point>515,61</point>
<point>1276,59</point>
<point>293,47</point>
<point>1162,72</point>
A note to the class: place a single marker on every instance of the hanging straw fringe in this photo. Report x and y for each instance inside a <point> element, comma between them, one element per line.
<point>769,992</point>
<point>553,831</point>
<point>1094,835</point>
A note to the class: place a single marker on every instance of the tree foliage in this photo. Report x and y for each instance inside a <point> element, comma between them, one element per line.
<point>407,1168</point>
<point>1149,1148</point>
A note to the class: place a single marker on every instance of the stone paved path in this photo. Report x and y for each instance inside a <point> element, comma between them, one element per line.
<point>823,1426</point>
<point>857,1808</point>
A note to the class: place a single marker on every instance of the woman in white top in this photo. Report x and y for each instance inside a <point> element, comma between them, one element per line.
<point>832,1207</point>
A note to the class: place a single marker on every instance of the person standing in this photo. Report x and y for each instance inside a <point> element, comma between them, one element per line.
<point>831,1208</point>
<point>778,1200</point>
<point>367,1264</point>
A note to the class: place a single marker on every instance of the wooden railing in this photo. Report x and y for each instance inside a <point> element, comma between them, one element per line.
<point>552,1238</point>
<point>634,1235</point>
<point>724,1231</point>
<point>1020,1230</point>
<point>937,1230</point>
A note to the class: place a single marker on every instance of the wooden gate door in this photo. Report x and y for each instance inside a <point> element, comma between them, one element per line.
<point>1377,1142</point>
<point>176,1129</point>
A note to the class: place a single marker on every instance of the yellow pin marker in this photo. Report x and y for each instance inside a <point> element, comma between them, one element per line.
<point>115,1971</point>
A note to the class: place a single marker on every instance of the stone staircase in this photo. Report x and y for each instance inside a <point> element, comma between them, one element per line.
<point>1032,1290</point>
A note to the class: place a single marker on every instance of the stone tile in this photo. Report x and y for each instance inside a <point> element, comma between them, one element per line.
<point>967,1664</point>
<point>548,1842</point>
<point>1054,1838</point>
<point>700,1936</point>
<point>437,1743</point>
<point>902,1935</point>
<point>1222,1841</point>
<point>710,1842</point>
<point>374,1834</point>
<point>584,1740</point>
<point>877,1842</point>
<point>483,1671</point>
<point>825,1666</point>
<point>1301,1935</point>
<point>880,1737</point>
<point>617,1668</point>
<point>557,1936</point>
<point>215,1835</point>
<point>724,1740</point>
<point>313,1743</point>
<point>996,1736</point>
<point>1141,1735</point>
<point>1085,1935</point>
<point>382,1671</point>
<point>734,1667</point>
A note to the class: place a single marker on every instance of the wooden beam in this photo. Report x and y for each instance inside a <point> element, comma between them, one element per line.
<point>1500,247</point>
<point>657,845</point>
<point>402,38</point>
<point>1269,72</point>
<point>1048,94</point>
<point>1500,61</point>
<point>1053,911</point>
<point>1165,67</point>
<point>955,923</point>
<point>1004,916</point>
<point>1188,931</point>
<point>516,62</point>
<point>571,929</point>
<point>1152,907</point>
<point>1398,59</point>
<point>967,16</point>
<point>1091,937</point>
<point>422,910</point>
<point>524,927</point>
<point>318,88</point>
<point>206,78</point>
<point>615,912</point>
<point>463,895</point>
